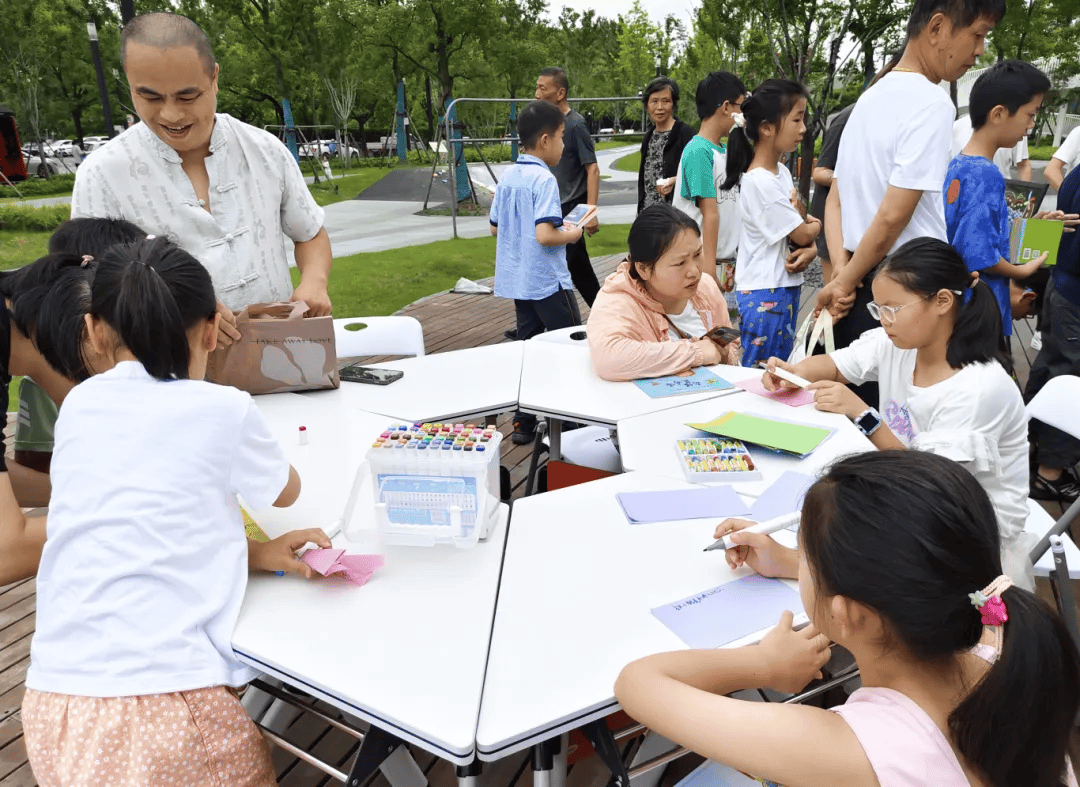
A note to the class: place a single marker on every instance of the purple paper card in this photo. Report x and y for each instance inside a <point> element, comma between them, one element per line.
<point>784,496</point>
<point>729,612</point>
<point>703,502</point>
<point>795,399</point>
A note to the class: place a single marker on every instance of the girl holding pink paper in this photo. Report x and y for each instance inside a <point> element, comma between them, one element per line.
<point>146,560</point>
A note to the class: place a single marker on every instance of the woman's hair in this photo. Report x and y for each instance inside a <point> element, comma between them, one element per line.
<point>150,293</point>
<point>92,236</point>
<point>658,84</point>
<point>653,232</point>
<point>925,266</point>
<point>769,103</point>
<point>935,526</point>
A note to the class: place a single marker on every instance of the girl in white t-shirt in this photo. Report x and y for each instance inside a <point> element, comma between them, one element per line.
<point>943,389</point>
<point>146,560</point>
<point>767,274</point>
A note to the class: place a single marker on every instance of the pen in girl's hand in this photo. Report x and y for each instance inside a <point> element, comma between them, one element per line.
<point>767,527</point>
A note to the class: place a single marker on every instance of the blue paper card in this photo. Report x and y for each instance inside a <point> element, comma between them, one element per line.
<point>729,612</point>
<point>701,380</point>
<point>703,502</point>
<point>715,774</point>
<point>784,496</point>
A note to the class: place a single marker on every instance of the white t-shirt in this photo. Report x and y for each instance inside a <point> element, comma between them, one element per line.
<point>899,134</point>
<point>768,217</point>
<point>1005,159</point>
<point>257,197</point>
<point>145,565</point>
<point>1069,152</point>
<point>689,322</point>
<point>727,207</point>
<point>976,418</point>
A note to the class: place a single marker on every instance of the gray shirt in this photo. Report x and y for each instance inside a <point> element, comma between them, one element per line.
<point>578,153</point>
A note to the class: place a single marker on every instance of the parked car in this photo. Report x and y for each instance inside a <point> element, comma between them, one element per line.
<point>42,167</point>
<point>321,148</point>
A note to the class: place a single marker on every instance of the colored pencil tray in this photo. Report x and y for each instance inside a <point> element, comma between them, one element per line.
<point>712,459</point>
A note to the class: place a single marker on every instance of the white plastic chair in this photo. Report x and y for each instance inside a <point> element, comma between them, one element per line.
<point>575,334</point>
<point>1055,405</point>
<point>356,337</point>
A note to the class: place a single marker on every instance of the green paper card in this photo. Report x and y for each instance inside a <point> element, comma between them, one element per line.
<point>1031,237</point>
<point>798,439</point>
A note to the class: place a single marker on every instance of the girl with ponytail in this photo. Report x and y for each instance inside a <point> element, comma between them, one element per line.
<point>967,680</point>
<point>768,274</point>
<point>943,389</point>
<point>144,569</point>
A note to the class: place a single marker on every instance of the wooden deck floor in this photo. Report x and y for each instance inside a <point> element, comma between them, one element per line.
<point>451,321</point>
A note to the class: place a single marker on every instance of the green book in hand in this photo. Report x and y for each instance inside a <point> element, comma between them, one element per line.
<point>1032,237</point>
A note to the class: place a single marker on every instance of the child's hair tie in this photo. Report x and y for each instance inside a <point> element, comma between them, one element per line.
<point>989,603</point>
<point>739,118</point>
<point>86,260</point>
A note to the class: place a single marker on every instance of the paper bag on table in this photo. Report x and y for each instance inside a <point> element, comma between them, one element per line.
<point>279,350</point>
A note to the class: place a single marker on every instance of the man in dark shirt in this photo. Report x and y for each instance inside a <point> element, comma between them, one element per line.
<point>578,175</point>
<point>1054,476</point>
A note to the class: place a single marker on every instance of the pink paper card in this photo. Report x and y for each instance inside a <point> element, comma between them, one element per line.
<point>795,399</point>
<point>356,568</point>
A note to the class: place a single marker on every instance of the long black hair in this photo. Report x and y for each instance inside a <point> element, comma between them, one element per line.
<point>653,232</point>
<point>936,525</point>
<point>925,266</point>
<point>769,103</point>
<point>150,293</point>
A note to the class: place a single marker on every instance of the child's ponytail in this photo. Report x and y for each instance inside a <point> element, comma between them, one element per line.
<point>769,103</point>
<point>926,266</point>
<point>1013,728</point>
<point>150,293</point>
<point>937,526</point>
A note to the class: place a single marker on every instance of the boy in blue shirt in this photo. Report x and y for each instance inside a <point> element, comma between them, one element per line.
<point>530,253</point>
<point>1003,105</point>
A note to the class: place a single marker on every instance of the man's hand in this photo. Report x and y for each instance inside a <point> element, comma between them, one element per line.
<point>1071,219</point>
<point>837,297</point>
<point>227,332</point>
<point>592,226</point>
<point>314,294</point>
<point>665,186</point>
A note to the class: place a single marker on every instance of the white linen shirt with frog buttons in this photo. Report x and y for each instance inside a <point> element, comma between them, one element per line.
<point>257,197</point>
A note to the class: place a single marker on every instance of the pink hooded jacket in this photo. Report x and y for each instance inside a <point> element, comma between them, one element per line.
<point>628,335</point>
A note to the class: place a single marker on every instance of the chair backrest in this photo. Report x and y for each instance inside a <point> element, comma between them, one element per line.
<point>563,474</point>
<point>361,336</point>
<point>1055,404</point>
<point>575,334</point>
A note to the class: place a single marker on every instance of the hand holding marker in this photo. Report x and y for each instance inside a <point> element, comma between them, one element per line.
<point>767,527</point>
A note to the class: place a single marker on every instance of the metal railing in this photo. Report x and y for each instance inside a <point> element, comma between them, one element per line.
<point>451,143</point>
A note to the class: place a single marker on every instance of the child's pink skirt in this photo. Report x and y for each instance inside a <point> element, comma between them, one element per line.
<point>199,738</point>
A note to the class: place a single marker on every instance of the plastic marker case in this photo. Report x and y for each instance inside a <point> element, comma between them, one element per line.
<point>711,460</point>
<point>435,483</point>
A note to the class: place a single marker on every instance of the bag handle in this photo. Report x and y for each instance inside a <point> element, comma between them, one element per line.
<point>282,310</point>
<point>823,329</point>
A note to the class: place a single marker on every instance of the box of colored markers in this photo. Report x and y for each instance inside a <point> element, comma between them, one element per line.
<point>713,459</point>
<point>435,483</point>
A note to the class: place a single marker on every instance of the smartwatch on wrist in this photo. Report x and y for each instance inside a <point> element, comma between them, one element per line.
<point>869,422</point>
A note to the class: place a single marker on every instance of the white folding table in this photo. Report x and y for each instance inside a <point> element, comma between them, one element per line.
<point>455,385</point>
<point>574,607</point>
<point>559,383</point>
<point>407,651</point>
<point>647,442</point>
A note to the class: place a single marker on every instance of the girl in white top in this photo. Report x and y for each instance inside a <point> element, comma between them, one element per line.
<point>943,389</point>
<point>146,560</point>
<point>967,681</point>
<point>767,275</point>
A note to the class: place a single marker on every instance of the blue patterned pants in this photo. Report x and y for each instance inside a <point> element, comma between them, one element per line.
<point>767,322</point>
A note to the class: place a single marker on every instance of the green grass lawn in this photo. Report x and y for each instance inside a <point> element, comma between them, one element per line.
<point>20,248</point>
<point>628,163</point>
<point>608,144</point>
<point>347,187</point>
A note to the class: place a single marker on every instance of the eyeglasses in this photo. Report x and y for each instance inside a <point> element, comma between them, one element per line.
<point>887,313</point>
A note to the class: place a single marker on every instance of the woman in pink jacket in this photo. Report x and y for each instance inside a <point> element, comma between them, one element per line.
<point>651,317</point>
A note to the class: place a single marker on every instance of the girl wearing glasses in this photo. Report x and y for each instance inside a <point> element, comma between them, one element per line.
<point>937,360</point>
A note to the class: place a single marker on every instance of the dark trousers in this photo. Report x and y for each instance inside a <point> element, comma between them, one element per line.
<point>1060,354</point>
<point>579,264</point>
<point>853,325</point>
<point>559,310</point>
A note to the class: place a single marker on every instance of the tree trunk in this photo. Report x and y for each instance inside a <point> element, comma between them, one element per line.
<point>76,118</point>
